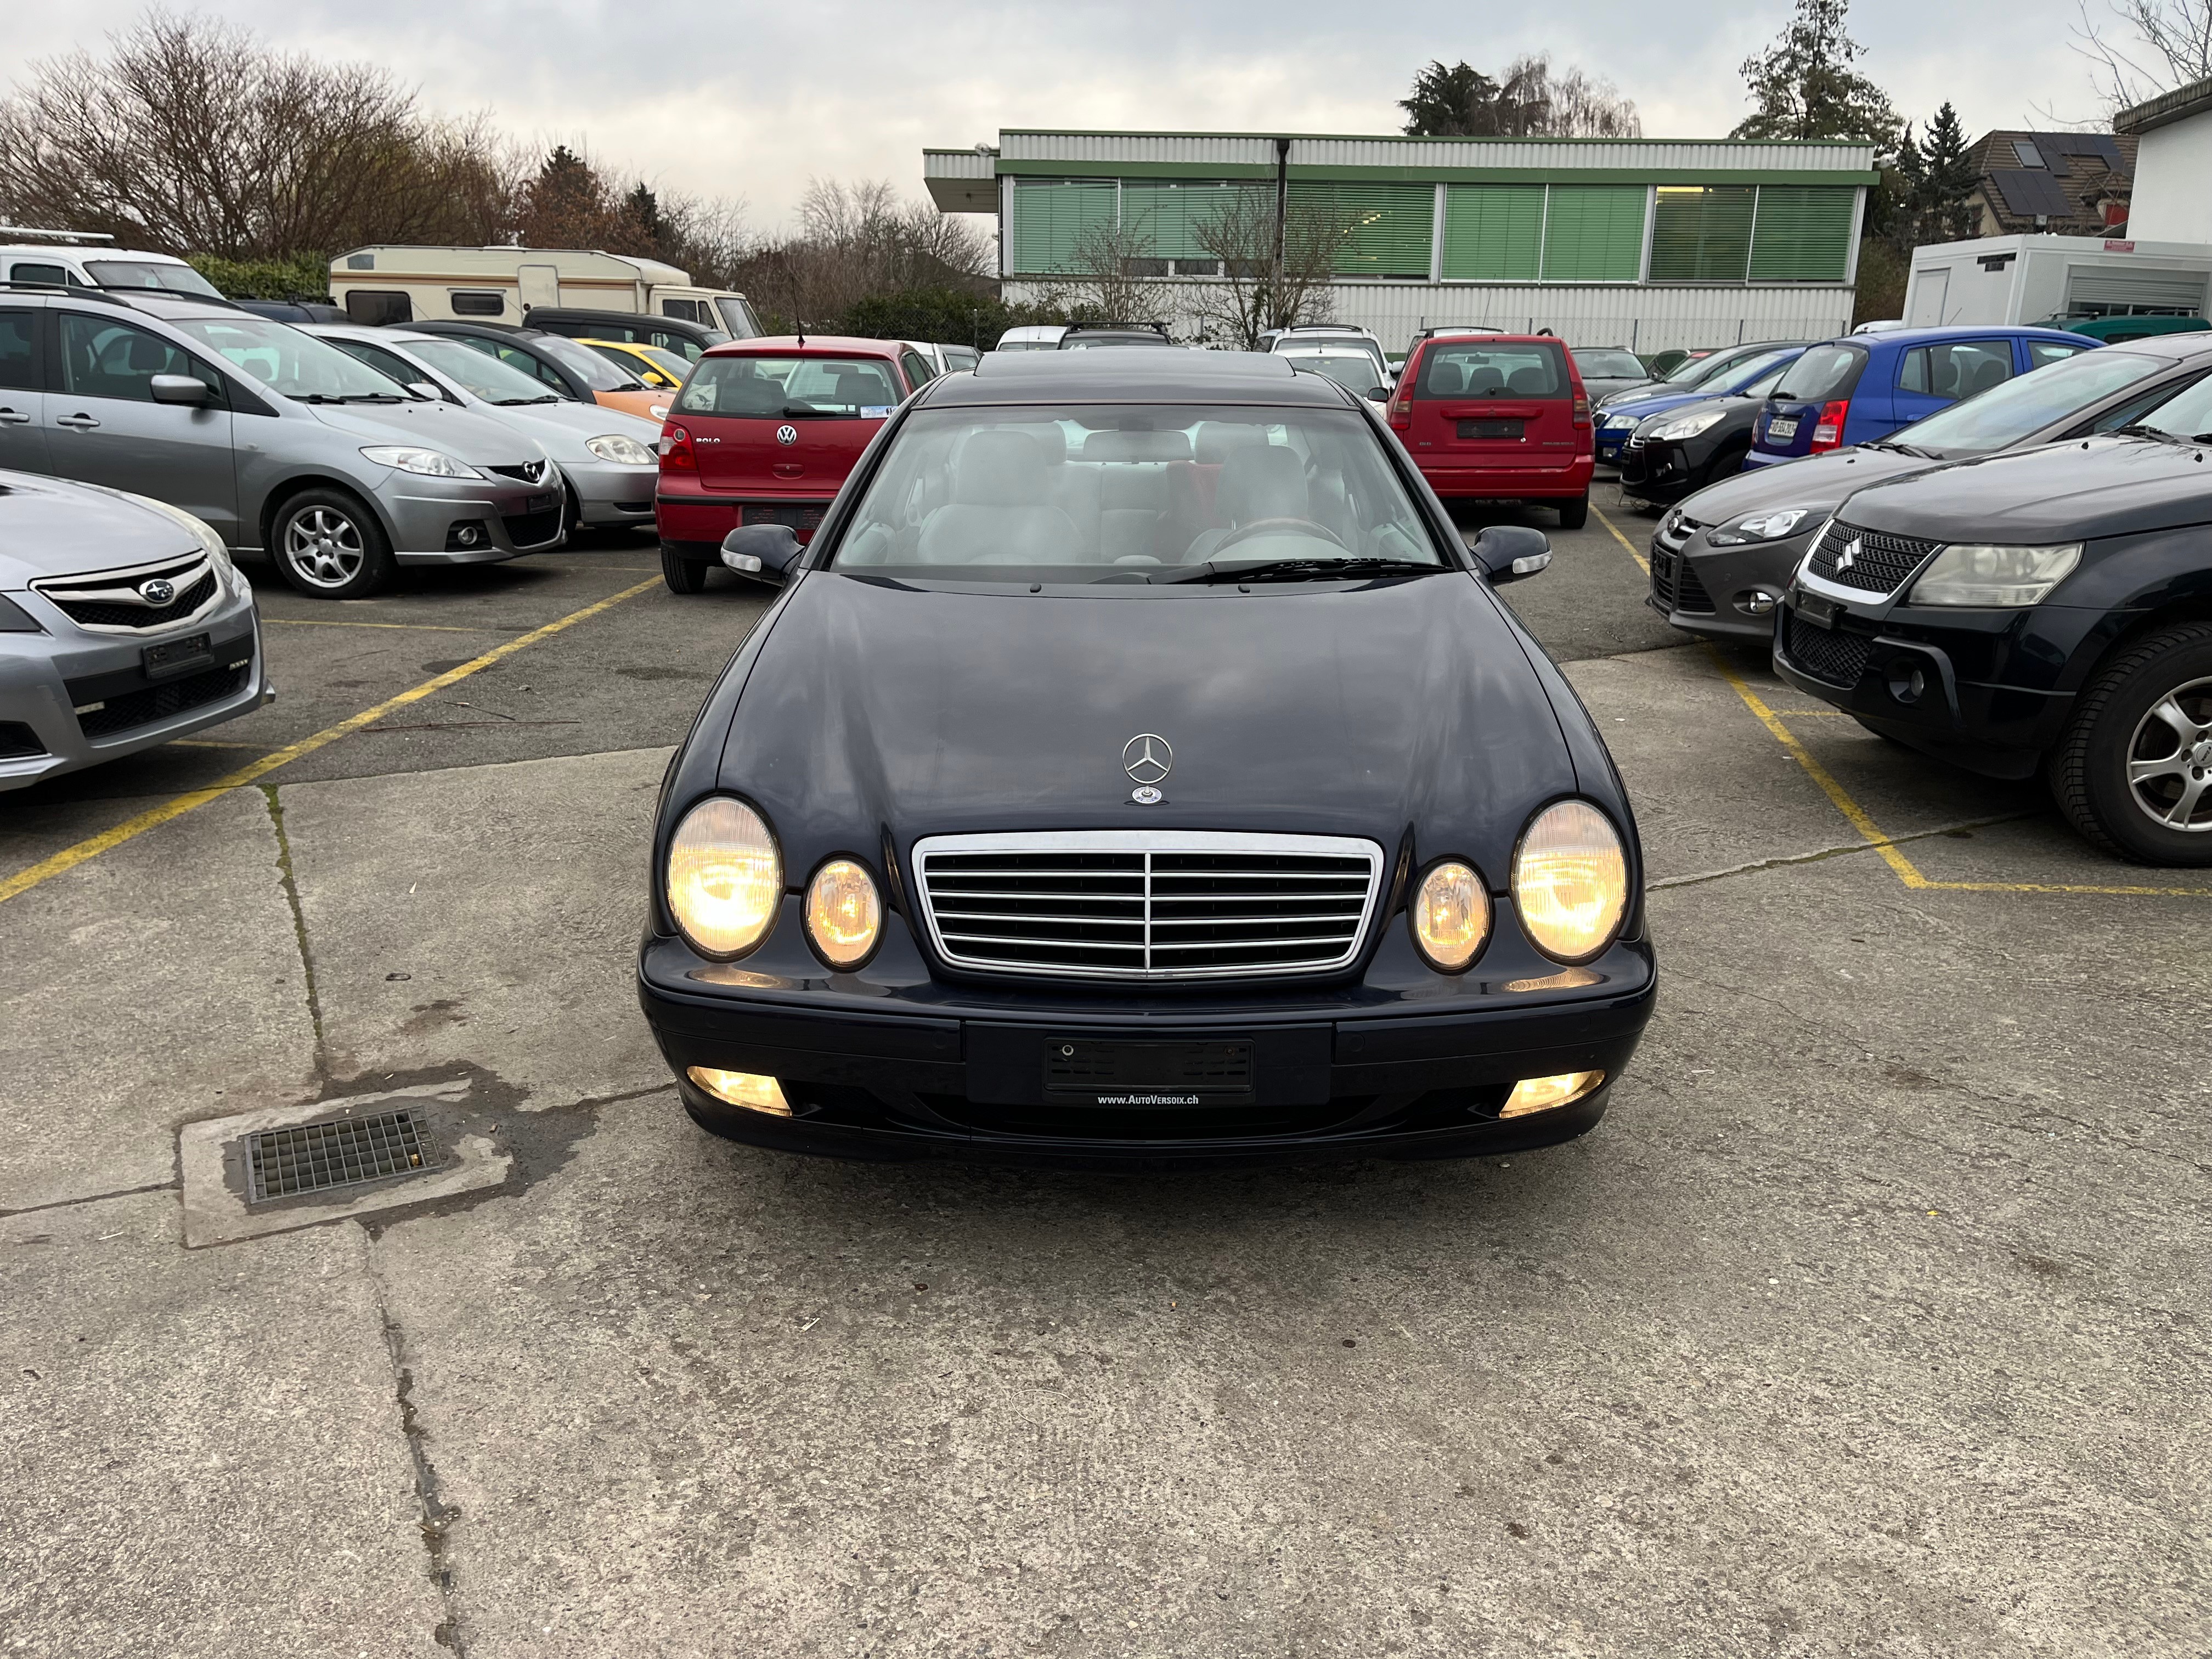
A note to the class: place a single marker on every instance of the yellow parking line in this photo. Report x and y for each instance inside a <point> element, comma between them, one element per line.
<point>412,627</point>
<point>1892,853</point>
<point>69,857</point>
<point>1642,563</point>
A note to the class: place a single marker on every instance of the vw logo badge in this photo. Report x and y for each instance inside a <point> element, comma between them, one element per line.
<point>1146,757</point>
<point>157,592</point>
<point>786,434</point>
<point>1849,556</point>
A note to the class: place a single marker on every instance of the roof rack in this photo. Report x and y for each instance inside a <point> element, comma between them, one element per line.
<point>72,290</point>
<point>1160,329</point>
<point>64,237</point>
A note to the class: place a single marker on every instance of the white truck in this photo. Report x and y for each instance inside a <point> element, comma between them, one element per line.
<point>397,284</point>
<point>2031,279</point>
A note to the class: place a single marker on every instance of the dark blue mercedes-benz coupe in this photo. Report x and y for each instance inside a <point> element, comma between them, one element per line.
<point>1138,767</point>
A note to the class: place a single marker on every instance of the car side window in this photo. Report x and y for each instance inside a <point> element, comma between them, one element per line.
<point>104,359</point>
<point>2132,410</point>
<point>516,357</point>
<point>388,364</point>
<point>2042,352</point>
<point>1956,368</point>
<point>18,353</point>
<point>25,271</point>
<point>917,373</point>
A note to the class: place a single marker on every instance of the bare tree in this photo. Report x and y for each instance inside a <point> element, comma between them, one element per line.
<point>188,136</point>
<point>1247,300</point>
<point>860,242</point>
<point>1570,103</point>
<point>2156,46</point>
<point>1110,263</point>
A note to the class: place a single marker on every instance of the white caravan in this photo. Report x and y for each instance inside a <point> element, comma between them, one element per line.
<point>394,285</point>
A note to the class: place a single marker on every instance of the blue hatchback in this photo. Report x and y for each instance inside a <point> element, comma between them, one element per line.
<point>1856,389</point>
<point>1620,416</point>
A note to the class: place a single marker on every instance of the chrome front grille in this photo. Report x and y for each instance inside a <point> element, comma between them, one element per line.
<point>1148,905</point>
<point>111,602</point>
<point>1870,559</point>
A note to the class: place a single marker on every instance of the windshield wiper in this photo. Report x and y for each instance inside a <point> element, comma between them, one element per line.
<point>1913,450</point>
<point>373,397</point>
<point>2140,429</point>
<point>520,403</point>
<point>1277,570</point>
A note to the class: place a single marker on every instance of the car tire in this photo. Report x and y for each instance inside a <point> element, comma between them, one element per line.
<point>2118,725</point>
<point>329,545</point>
<point>682,576</point>
<point>1726,464</point>
<point>1574,515</point>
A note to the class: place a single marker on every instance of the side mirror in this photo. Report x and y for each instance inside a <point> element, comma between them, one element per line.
<point>1508,552</point>
<point>425,389</point>
<point>765,550</point>
<point>180,389</point>
<point>1378,394</point>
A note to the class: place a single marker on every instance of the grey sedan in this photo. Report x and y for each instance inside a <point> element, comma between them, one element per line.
<point>607,456</point>
<point>123,624</point>
<point>279,440</point>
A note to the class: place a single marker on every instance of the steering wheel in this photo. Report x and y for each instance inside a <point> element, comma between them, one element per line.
<point>1266,526</point>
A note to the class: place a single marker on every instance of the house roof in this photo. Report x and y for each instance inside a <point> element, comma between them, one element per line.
<point>2061,178</point>
<point>2195,99</point>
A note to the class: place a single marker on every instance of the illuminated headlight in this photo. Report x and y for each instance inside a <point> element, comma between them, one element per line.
<point>1541,1094</point>
<point>1760,527</point>
<point>844,915</point>
<point>1667,430</point>
<point>620,450</point>
<point>1973,573</point>
<point>428,462</point>
<point>1570,881</point>
<point>1451,914</point>
<point>725,877</point>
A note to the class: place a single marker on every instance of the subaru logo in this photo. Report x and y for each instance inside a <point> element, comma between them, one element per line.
<point>1146,757</point>
<point>157,592</point>
<point>786,434</point>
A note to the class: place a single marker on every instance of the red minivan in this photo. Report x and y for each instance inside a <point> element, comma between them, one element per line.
<point>1498,417</point>
<point>764,432</point>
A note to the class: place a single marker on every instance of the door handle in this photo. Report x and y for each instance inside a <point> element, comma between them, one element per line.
<point>13,417</point>
<point>79,423</point>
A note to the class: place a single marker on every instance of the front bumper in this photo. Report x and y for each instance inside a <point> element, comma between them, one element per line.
<point>608,494</point>
<point>942,1070</point>
<point>46,678</point>
<point>426,517</point>
<point>1667,470</point>
<point>1712,591</point>
<point>1526,484</point>
<point>1612,444</point>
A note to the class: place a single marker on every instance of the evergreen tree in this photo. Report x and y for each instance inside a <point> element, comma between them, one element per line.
<point>1948,180</point>
<point>1450,103</point>
<point>1805,86</point>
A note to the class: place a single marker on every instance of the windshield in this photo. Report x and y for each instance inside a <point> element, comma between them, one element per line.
<point>1482,369</point>
<point>1691,370</point>
<point>674,364</point>
<point>1355,369</point>
<point>144,273</point>
<point>2187,414</point>
<point>477,371</point>
<point>1823,373</point>
<point>290,362</point>
<point>586,365</point>
<point>2002,415</point>
<point>1610,365</point>
<point>792,388</point>
<point>1745,371</point>
<point>738,317</point>
<point>1133,493</point>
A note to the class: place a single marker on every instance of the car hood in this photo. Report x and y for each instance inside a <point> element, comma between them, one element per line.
<point>1655,404</point>
<point>564,428</point>
<point>875,708</point>
<point>2065,492</point>
<point>1601,389</point>
<point>1819,484</point>
<point>49,527</point>
<point>463,433</point>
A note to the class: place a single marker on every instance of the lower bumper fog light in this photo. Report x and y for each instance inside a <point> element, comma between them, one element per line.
<point>755,1094</point>
<point>1536,1094</point>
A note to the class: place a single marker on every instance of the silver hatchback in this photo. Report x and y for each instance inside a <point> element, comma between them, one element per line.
<point>279,440</point>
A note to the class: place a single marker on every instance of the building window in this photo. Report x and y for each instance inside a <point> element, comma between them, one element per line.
<point>1804,234</point>
<point>1049,217</point>
<point>1494,233</point>
<point>1383,228</point>
<point>1702,233</point>
<point>476,302</point>
<point>1594,233</point>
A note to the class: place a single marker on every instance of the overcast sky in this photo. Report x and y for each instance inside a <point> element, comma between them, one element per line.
<point>747,100</point>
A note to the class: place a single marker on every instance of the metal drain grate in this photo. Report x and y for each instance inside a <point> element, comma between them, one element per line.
<point>346,1152</point>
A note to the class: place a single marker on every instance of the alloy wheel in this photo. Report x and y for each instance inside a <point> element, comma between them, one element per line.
<point>2170,759</point>
<point>325,546</point>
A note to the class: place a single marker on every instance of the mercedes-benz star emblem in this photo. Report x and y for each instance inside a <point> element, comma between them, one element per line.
<point>1849,556</point>
<point>157,592</point>
<point>786,434</point>
<point>1146,757</point>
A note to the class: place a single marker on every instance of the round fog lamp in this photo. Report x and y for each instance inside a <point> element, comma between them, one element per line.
<point>1570,881</point>
<point>843,914</point>
<point>1542,1094</point>
<point>1756,602</point>
<point>725,877</point>
<point>1451,914</point>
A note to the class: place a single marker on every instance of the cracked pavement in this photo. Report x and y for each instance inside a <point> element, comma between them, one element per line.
<point>1872,1319</point>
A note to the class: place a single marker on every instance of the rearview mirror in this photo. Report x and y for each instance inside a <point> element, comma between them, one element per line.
<point>1508,552</point>
<point>179,389</point>
<point>765,550</point>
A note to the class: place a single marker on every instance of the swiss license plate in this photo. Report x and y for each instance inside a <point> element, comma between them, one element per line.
<point>1491,428</point>
<point>1148,1076</point>
<point>1821,612</point>
<point>1782,429</point>
<point>542,503</point>
<point>176,656</point>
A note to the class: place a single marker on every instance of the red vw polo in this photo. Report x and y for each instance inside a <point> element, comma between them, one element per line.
<point>1498,417</point>
<point>764,432</point>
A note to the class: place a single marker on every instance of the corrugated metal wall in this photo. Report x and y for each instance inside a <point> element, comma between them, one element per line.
<point>1642,318</point>
<point>1219,148</point>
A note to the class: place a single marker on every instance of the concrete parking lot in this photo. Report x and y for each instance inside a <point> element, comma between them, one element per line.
<point>1873,1320</point>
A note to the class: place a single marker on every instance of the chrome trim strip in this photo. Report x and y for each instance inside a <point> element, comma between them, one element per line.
<point>121,587</point>
<point>1146,843</point>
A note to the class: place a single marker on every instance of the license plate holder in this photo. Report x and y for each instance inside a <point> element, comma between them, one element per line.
<point>1817,611</point>
<point>1782,427</point>
<point>173,657</point>
<point>1493,428</point>
<point>1148,1076</point>
<point>543,503</point>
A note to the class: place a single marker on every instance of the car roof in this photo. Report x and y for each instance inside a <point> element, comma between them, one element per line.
<point>1896,336</point>
<point>1137,377</point>
<point>827,345</point>
<point>1449,338</point>
<point>174,308</point>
